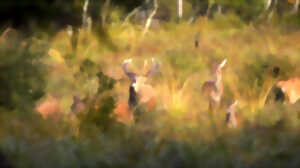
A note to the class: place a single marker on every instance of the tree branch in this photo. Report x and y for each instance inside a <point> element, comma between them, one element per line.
<point>131,14</point>
<point>149,20</point>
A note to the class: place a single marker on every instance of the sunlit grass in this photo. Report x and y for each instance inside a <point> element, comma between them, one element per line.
<point>242,45</point>
<point>181,112</point>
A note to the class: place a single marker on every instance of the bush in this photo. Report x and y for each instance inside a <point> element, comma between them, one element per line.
<point>22,72</point>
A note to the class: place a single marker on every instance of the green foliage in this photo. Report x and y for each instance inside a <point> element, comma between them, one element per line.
<point>128,5</point>
<point>247,9</point>
<point>100,118</point>
<point>22,73</point>
<point>290,22</point>
<point>105,83</point>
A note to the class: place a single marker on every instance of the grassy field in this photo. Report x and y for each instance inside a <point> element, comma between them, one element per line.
<point>177,131</point>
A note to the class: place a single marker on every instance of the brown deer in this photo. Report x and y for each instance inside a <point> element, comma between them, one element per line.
<point>49,109</point>
<point>291,88</point>
<point>139,90</point>
<point>213,90</point>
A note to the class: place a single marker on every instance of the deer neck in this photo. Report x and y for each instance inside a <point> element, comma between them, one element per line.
<point>133,98</point>
<point>219,84</point>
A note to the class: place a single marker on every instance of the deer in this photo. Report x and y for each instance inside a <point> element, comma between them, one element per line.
<point>139,90</point>
<point>231,118</point>
<point>213,89</point>
<point>284,89</point>
<point>49,109</point>
<point>290,88</point>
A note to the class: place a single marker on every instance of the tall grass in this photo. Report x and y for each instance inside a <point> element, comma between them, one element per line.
<point>178,131</point>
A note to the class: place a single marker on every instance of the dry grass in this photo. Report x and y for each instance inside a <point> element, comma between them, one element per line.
<point>179,112</point>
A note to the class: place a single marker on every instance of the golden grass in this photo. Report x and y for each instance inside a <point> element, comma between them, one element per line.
<point>247,76</point>
<point>179,112</point>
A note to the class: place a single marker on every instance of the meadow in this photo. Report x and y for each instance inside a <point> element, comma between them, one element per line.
<point>177,131</point>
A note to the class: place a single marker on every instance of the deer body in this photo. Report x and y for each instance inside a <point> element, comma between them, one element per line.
<point>213,90</point>
<point>122,113</point>
<point>291,88</point>
<point>49,109</point>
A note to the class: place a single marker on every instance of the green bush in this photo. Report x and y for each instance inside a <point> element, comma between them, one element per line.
<point>22,72</point>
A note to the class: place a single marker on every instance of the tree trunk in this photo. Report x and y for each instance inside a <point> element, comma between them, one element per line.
<point>219,9</point>
<point>180,8</point>
<point>268,4</point>
<point>127,18</point>
<point>295,8</point>
<point>84,14</point>
<point>270,15</point>
<point>208,9</point>
<point>105,12</point>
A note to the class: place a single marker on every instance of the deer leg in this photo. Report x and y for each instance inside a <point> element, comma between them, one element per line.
<point>212,109</point>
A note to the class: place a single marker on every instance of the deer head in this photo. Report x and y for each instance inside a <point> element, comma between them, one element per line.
<point>217,69</point>
<point>138,82</point>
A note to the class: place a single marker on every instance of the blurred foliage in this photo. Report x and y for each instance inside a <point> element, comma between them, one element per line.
<point>22,72</point>
<point>46,14</point>
<point>175,130</point>
<point>52,15</point>
<point>247,10</point>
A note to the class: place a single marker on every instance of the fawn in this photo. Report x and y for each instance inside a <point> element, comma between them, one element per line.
<point>213,90</point>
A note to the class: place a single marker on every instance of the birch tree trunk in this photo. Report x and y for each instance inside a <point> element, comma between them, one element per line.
<point>180,8</point>
<point>104,12</point>
<point>84,14</point>
<point>268,4</point>
<point>270,15</point>
<point>296,7</point>
<point>219,9</point>
<point>127,18</point>
<point>208,9</point>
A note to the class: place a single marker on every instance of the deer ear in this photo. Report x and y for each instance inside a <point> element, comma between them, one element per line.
<point>223,63</point>
<point>154,69</point>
